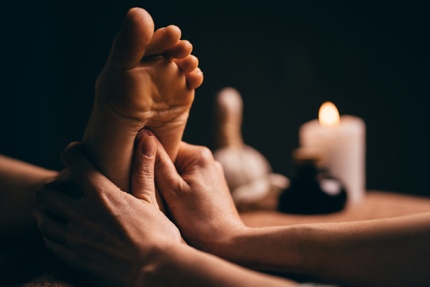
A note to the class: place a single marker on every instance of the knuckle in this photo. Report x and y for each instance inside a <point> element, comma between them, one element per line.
<point>219,166</point>
<point>202,151</point>
<point>104,194</point>
<point>67,152</point>
<point>178,189</point>
<point>204,154</point>
<point>147,171</point>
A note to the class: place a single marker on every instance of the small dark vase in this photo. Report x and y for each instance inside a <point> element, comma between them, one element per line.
<point>313,190</point>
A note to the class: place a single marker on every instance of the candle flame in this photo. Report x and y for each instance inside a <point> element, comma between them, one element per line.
<point>328,115</point>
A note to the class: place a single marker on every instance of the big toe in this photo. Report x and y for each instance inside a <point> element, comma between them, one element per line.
<point>132,39</point>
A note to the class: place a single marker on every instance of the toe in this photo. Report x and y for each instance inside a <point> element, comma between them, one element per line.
<point>163,39</point>
<point>132,39</point>
<point>194,78</point>
<point>181,50</point>
<point>187,64</point>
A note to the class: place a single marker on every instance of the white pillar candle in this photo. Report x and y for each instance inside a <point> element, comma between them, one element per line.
<point>342,143</point>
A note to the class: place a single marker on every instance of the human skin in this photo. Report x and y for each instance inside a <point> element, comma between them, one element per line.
<point>387,252</point>
<point>149,80</point>
<point>383,252</point>
<point>19,181</point>
<point>122,239</point>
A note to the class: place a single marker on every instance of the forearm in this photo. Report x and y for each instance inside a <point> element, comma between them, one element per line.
<point>183,265</point>
<point>272,249</point>
<point>18,183</point>
<point>388,252</point>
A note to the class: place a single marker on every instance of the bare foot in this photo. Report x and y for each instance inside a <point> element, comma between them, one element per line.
<point>148,81</point>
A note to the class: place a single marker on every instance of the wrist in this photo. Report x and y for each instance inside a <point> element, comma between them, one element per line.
<point>182,265</point>
<point>158,264</point>
<point>228,244</point>
<point>277,249</point>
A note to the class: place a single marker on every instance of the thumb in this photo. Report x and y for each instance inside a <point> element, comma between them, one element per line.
<point>169,182</point>
<point>142,178</point>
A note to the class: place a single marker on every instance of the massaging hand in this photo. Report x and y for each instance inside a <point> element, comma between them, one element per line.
<point>106,232</point>
<point>197,196</point>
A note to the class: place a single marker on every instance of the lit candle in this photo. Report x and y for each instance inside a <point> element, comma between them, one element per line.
<point>341,139</point>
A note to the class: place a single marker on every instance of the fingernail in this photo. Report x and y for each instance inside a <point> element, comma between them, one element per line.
<point>148,145</point>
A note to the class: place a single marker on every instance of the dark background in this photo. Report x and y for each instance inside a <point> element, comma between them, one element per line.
<point>285,57</point>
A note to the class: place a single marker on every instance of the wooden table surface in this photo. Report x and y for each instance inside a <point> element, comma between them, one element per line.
<point>376,204</point>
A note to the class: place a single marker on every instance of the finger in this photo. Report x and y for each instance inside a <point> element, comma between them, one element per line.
<point>142,179</point>
<point>131,41</point>
<point>80,258</point>
<point>49,197</point>
<point>51,228</point>
<point>167,178</point>
<point>88,178</point>
<point>65,184</point>
<point>61,251</point>
<point>193,155</point>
